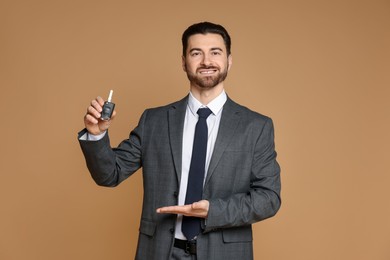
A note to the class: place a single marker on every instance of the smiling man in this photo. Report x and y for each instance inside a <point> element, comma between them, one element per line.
<point>209,164</point>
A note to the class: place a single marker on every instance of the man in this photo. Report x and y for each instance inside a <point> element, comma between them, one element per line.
<point>219,170</point>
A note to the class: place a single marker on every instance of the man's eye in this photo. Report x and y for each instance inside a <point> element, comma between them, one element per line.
<point>195,54</point>
<point>216,53</point>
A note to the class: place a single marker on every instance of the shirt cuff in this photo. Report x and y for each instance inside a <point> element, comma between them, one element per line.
<point>90,137</point>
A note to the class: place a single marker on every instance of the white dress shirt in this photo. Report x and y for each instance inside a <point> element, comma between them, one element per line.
<point>190,120</point>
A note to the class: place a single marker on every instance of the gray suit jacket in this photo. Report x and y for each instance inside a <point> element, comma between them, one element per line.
<point>242,184</point>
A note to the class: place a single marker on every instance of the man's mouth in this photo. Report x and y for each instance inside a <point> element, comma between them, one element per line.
<point>207,71</point>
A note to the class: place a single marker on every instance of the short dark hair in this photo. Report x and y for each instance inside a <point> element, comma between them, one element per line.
<point>204,28</point>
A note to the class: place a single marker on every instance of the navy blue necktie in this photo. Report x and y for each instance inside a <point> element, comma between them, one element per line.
<point>191,226</point>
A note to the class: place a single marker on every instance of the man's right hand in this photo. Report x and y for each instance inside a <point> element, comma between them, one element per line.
<point>92,121</point>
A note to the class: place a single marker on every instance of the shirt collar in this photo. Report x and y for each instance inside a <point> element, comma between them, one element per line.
<point>214,105</point>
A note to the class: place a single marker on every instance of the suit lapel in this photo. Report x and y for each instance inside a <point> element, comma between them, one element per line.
<point>229,121</point>
<point>176,116</point>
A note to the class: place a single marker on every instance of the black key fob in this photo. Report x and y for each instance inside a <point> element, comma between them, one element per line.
<point>108,108</point>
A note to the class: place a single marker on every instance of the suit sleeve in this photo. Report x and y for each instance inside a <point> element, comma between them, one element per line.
<point>262,200</point>
<point>110,166</point>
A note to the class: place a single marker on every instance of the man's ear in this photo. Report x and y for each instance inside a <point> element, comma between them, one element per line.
<point>183,62</point>
<point>230,61</point>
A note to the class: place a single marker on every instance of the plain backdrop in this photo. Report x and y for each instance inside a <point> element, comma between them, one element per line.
<point>320,69</point>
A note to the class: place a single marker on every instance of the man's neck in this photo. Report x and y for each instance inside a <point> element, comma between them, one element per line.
<point>205,96</point>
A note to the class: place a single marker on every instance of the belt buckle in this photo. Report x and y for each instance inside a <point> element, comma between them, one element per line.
<point>190,247</point>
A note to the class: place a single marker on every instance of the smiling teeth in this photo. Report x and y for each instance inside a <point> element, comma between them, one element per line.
<point>207,72</point>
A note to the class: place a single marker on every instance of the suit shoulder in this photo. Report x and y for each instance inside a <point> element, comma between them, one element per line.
<point>250,114</point>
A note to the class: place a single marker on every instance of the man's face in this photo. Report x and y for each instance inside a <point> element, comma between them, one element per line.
<point>206,61</point>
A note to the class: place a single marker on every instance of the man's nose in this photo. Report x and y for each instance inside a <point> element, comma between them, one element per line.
<point>206,60</point>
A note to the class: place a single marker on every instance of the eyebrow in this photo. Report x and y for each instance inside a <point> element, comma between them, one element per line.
<point>212,49</point>
<point>216,49</point>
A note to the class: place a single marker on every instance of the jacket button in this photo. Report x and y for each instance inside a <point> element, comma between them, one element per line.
<point>175,194</point>
<point>171,230</point>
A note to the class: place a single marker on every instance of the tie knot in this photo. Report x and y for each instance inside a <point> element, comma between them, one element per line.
<point>204,112</point>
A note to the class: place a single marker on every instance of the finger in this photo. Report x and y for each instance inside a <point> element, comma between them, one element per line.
<point>168,209</point>
<point>93,112</point>
<point>174,209</point>
<point>89,119</point>
<point>96,105</point>
<point>100,100</point>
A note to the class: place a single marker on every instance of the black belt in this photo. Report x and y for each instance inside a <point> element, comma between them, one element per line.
<point>188,246</point>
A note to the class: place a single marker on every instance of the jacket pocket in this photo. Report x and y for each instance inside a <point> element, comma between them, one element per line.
<point>238,234</point>
<point>147,227</point>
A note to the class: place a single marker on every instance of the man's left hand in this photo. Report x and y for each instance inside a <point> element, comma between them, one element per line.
<point>198,209</point>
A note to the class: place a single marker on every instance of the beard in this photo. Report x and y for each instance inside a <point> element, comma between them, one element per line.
<point>207,82</point>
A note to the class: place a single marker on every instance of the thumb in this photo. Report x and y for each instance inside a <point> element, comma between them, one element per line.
<point>198,205</point>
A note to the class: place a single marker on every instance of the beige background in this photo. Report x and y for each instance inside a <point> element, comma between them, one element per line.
<point>320,69</point>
